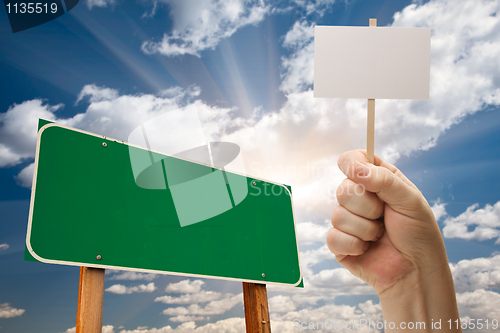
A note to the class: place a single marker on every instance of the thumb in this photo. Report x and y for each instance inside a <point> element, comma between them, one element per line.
<point>388,186</point>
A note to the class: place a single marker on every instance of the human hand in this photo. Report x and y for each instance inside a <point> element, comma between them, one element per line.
<point>385,233</point>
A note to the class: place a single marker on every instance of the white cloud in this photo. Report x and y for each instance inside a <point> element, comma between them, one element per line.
<point>25,177</point>
<point>99,3</point>
<point>18,130</point>
<point>96,94</point>
<point>200,25</point>
<point>439,209</point>
<point>299,73</point>
<point>323,283</point>
<point>108,114</point>
<point>4,246</point>
<point>105,329</point>
<point>310,232</point>
<point>300,35</point>
<point>472,279</point>
<point>479,273</point>
<point>314,256</point>
<point>339,313</point>
<point>183,318</point>
<point>475,223</point>
<point>186,327</point>
<point>315,6</point>
<point>152,12</point>
<point>121,289</point>
<point>230,325</point>
<point>339,281</point>
<point>476,304</point>
<point>213,308</point>
<point>281,303</point>
<point>480,304</point>
<point>185,287</point>
<point>6,311</point>
<point>193,295</point>
<point>116,115</point>
<point>132,276</point>
<point>198,297</point>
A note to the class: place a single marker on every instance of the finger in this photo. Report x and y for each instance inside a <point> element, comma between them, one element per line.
<point>341,243</point>
<point>386,181</point>
<point>388,186</point>
<point>345,163</point>
<point>354,225</point>
<point>357,200</point>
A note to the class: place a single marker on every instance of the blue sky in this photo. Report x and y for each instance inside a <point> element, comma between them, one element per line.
<point>108,66</point>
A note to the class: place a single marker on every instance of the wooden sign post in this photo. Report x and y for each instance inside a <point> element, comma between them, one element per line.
<point>90,300</point>
<point>256,308</point>
<point>91,293</point>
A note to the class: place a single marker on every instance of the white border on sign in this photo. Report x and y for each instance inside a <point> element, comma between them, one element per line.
<point>70,263</point>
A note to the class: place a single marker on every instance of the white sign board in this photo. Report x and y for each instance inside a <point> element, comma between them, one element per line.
<point>371,62</point>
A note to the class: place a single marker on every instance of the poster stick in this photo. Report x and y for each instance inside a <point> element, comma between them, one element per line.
<point>256,308</point>
<point>90,298</point>
<point>370,133</point>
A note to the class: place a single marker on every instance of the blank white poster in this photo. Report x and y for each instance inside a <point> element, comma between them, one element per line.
<point>371,62</point>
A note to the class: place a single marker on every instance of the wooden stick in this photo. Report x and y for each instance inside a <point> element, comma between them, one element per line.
<point>370,132</point>
<point>90,297</point>
<point>256,308</point>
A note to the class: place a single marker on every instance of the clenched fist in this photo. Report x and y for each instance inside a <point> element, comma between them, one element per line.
<point>385,233</point>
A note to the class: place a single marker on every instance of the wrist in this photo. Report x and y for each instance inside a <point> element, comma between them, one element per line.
<point>423,296</point>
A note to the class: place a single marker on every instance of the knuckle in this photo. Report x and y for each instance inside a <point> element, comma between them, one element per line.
<point>387,179</point>
<point>356,246</point>
<point>344,191</point>
<point>340,192</point>
<point>341,163</point>
<point>329,237</point>
<point>330,240</point>
<point>337,216</point>
<point>376,210</point>
<point>373,231</point>
<point>341,160</point>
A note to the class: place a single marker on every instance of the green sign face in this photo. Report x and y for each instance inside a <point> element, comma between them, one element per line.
<point>99,202</point>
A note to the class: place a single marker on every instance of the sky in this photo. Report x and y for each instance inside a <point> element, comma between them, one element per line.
<point>108,66</point>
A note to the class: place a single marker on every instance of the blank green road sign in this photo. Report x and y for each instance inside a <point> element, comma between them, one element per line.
<point>88,208</point>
